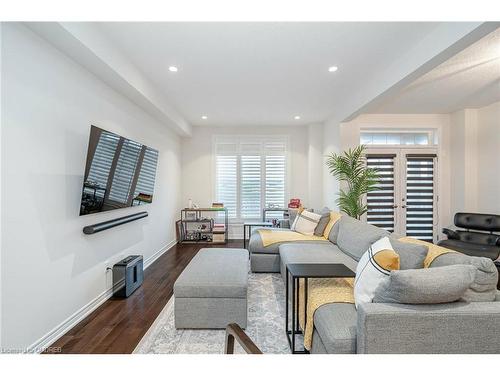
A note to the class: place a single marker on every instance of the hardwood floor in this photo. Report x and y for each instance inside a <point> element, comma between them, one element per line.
<point>118,325</point>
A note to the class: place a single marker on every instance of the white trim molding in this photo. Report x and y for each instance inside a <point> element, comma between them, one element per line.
<point>44,342</point>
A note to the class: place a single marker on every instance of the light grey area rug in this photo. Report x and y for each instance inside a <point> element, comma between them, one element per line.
<point>266,321</point>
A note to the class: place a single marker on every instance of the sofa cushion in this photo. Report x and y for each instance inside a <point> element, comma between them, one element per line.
<point>355,237</point>
<point>426,286</point>
<point>334,233</point>
<point>411,256</point>
<point>306,222</point>
<point>336,325</point>
<point>484,286</point>
<point>256,246</point>
<point>323,222</point>
<point>313,253</point>
<point>373,268</point>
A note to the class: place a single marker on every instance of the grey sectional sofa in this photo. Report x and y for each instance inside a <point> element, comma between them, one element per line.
<point>459,327</point>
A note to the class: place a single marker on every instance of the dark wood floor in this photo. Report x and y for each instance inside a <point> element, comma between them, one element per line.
<point>118,325</point>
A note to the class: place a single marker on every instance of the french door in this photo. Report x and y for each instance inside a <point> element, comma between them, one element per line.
<point>405,199</point>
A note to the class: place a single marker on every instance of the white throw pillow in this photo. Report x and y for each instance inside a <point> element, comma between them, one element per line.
<point>306,222</point>
<point>374,266</point>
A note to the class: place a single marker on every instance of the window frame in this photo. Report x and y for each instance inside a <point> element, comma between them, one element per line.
<point>249,139</point>
<point>432,135</point>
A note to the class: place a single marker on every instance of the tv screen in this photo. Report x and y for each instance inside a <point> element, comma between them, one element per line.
<point>119,173</point>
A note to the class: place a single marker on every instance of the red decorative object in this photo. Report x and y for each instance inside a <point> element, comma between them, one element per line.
<point>294,203</point>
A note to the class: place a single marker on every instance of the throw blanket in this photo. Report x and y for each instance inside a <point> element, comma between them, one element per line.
<point>270,237</point>
<point>433,250</point>
<point>319,293</point>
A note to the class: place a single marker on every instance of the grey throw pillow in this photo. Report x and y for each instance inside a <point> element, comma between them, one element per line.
<point>355,237</point>
<point>484,286</point>
<point>411,256</point>
<point>334,233</point>
<point>323,222</point>
<point>426,285</point>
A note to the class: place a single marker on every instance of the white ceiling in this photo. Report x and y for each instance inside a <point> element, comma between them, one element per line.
<point>262,73</point>
<point>470,79</point>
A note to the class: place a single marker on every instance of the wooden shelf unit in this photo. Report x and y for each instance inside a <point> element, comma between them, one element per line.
<point>198,218</point>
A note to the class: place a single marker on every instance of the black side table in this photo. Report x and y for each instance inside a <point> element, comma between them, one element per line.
<point>249,226</point>
<point>305,271</point>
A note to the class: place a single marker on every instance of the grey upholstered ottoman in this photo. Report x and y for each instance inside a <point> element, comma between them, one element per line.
<point>211,292</point>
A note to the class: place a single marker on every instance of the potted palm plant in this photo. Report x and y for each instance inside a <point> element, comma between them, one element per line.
<point>350,167</point>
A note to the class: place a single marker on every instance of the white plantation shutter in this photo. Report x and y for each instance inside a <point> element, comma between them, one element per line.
<point>250,174</point>
<point>125,171</point>
<point>275,182</point>
<point>102,160</point>
<point>146,180</point>
<point>250,186</point>
<point>227,182</point>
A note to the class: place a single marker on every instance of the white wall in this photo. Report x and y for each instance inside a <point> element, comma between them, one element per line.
<point>488,167</point>
<point>349,134</point>
<point>463,161</point>
<point>475,160</point>
<point>331,144</point>
<point>50,269</point>
<point>316,163</point>
<point>198,172</point>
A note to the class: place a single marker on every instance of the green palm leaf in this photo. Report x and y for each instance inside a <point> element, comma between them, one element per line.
<point>350,167</point>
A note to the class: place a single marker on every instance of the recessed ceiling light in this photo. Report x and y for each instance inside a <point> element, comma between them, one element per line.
<point>332,69</point>
<point>296,117</point>
<point>204,117</point>
<point>173,68</point>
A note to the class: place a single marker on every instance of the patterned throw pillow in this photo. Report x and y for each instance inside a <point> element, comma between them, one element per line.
<point>306,222</point>
<point>373,268</point>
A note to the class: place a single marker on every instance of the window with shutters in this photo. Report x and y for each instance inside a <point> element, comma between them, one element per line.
<point>125,171</point>
<point>102,161</point>
<point>146,180</point>
<point>251,174</point>
<point>394,137</point>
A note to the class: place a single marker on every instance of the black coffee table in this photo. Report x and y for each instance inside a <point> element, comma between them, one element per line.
<point>297,271</point>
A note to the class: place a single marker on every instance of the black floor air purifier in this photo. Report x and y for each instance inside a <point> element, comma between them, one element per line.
<point>128,275</point>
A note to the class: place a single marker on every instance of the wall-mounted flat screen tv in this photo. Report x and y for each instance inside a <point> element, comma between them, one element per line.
<point>119,173</point>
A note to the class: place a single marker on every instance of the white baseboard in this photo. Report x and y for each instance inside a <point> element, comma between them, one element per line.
<point>56,333</point>
<point>158,254</point>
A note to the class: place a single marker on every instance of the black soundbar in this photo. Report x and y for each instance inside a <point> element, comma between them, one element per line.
<point>99,227</point>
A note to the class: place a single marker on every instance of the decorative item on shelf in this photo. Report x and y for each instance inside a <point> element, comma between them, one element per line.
<point>190,203</point>
<point>204,225</point>
<point>217,205</point>
<point>145,198</point>
<point>294,203</point>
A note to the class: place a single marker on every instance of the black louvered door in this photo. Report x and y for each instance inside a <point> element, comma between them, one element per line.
<point>420,199</point>
<point>405,199</point>
<point>381,202</point>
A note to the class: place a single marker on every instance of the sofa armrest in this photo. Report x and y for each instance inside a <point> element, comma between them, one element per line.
<point>451,234</point>
<point>457,327</point>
